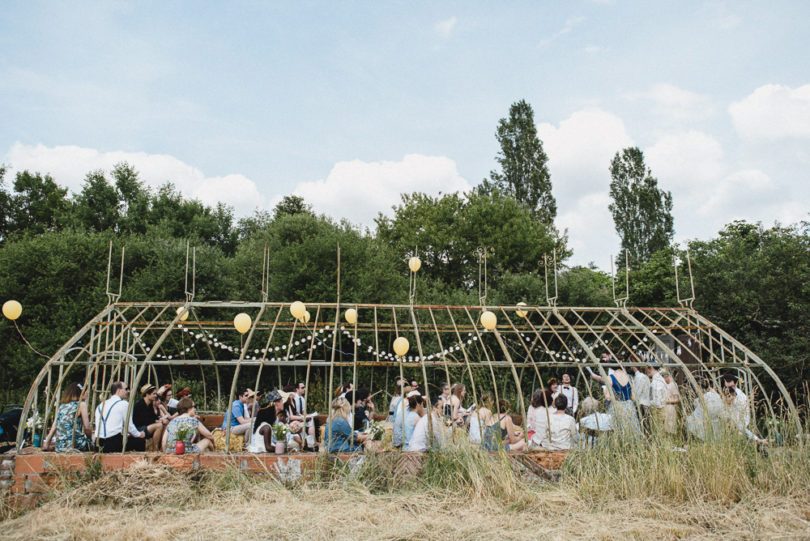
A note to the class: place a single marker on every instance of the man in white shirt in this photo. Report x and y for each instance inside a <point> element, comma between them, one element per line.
<point>562,433</point>
<point>658,393</point>
<point>420,440</point>
<point>570,392</point>
<point>641,394</point>
<point>110,421</point>
<point>741,401</point>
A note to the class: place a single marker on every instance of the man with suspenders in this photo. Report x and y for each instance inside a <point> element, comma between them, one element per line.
<point>110,416</point>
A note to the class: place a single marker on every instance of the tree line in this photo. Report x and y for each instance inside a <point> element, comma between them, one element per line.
<point>752,281</point>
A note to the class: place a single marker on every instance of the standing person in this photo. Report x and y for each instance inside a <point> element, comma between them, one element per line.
<point>740,401</point>
<point>698,420</point>
<point>147,417</point>
<point>239,414</point>
<point>447,406</point>
<point>671,403</point>
<point>621,407</point>
<point>72,424</point>
<point>110,420</point>
<point>553,386</point>
<point>401,388</point>
<point>198,439</point>
<point>641,394</point>
<point>735,418</point>
<point>658,394</point>
<point>570,392</point>
<point>457,394</point>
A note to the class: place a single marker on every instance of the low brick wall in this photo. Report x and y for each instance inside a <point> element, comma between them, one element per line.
<point>25,478</point>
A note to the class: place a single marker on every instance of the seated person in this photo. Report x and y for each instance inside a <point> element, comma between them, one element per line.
<point>272,412</point>
<point>416,410</point>
<point>339,436</point>
<point>538,416</point>
<point>562,433</point>
<point>148,417</point>
<point>296,420</point>
<point>72,424</point>
<point>363,408</point>
<point>239,414</point>
<point>592,423</point>
<point>481,418</point>
<point>502,432</point>
<point>197,438</point>
<point>430,430</point>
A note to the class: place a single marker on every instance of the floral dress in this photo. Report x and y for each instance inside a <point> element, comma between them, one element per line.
<point>190,424</point>
<point>70,429</point>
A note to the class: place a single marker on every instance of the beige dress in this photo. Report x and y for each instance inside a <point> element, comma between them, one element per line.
<point>670,413</point>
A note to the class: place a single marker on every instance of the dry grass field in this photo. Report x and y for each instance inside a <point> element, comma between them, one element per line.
<point>726,492</point>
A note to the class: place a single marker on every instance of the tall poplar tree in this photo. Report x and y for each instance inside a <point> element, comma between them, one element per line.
<point>642,213</point>
<point>524,164</point>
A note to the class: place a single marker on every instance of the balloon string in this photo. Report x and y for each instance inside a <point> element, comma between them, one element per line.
<point>27,343</point>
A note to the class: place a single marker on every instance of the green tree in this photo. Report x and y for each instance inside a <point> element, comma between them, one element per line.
<point>134,197</point>
<point>524,165</point>
<point>447,230</point>
<point>642,213</point>
<point>38,204</point>
<point>5,206</point>
<point>291,204</point>
<point>97,205</point>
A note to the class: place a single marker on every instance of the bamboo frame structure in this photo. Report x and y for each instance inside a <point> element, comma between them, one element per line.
<point>131,341</point>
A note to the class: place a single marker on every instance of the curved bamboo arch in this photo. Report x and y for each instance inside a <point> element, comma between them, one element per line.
<point>137,335</point>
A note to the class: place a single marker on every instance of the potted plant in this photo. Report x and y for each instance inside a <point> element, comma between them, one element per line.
<point>280,431</point>
<point>183,433</point>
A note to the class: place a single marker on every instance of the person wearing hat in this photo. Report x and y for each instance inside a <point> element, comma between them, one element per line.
<point>166,396</point>
<point>147,416</point>
<point>239,414</point>
<point>272,412</point>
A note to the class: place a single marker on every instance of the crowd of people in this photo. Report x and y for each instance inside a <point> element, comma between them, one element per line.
<point>556,418</point>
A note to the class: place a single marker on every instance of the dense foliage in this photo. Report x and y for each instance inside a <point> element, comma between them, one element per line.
<point>754,282</point>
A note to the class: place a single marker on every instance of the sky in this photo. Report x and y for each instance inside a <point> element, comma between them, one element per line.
<point>349,104</point>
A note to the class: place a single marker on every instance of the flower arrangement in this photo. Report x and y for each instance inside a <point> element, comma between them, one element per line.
<point>34,422</point>
<point>280,431</point>
<point>375,431</point>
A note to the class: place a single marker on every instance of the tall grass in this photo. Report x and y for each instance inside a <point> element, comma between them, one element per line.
<point>727,469</point>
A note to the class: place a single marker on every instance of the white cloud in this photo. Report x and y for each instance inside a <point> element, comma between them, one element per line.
<point>580,149</point>
<point>673,104</point>
<point>570,24</point>
<point>69,164</point>
<point>358,190</point>
<point>773,112</point>
<point>687,160</point>
<point>446,27</point>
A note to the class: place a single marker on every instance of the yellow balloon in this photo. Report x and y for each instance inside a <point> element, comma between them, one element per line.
<point>414,264</point>
<point>242,323</point>
<point>12,309</point>
<point>489,320</point>
<point>297,309</point>
<point>401,346</point>
<point>306,317</point>
<point>351,316</point>
<point>520,312</point>
<point>182,312</point>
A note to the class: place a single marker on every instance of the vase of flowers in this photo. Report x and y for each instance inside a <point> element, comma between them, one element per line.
<point>180,442</point>
<point>280,431</point>
<point>34,425</point>
<point>374,436</point>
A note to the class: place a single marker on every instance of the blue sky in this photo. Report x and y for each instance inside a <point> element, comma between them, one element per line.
<point>351,103</point>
